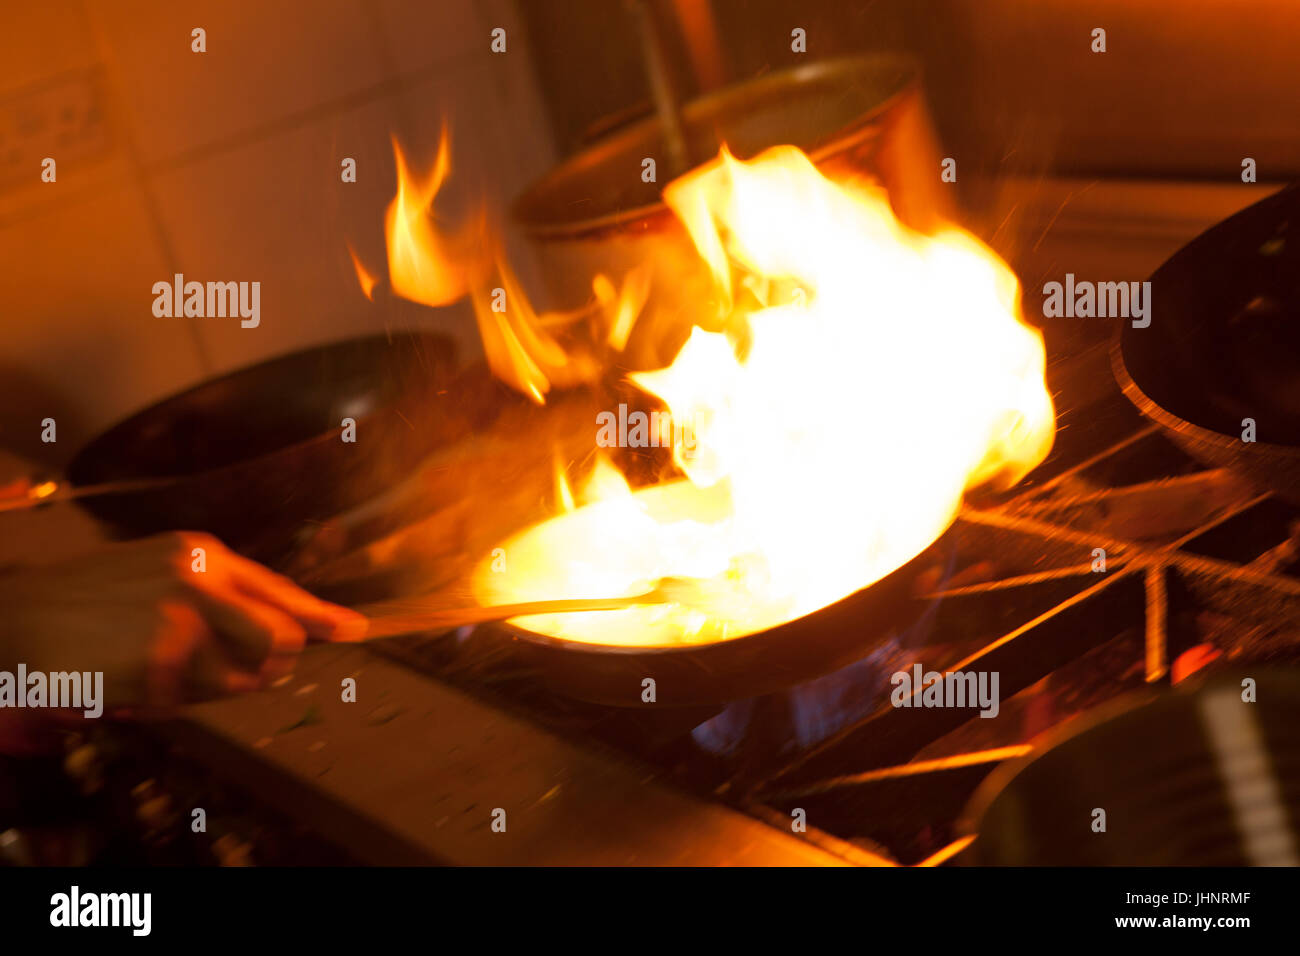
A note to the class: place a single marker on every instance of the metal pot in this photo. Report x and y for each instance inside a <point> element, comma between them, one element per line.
<point>593,213</point>
<point>255,456</point>
<point>1224,346</point>
<point>1197,776</point>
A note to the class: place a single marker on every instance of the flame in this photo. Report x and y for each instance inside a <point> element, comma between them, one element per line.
<point>845,381</point>
<point>364,276</point>
<point>622,306</point>
<point>519,349</point>
<point>605,483</point>
<point>44,489</point>
<point>436,266</point>
<point>563,491</point>
<point>426,264</point>
<point>864,377</point>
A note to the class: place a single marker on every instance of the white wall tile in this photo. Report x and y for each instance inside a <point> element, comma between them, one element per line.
<point>55,101</point>
<point>244,181</point>
<point>40,40</point>
<point>418,34</point>
<point>80,336</point>
<point>265,60</point>
<point>277,212</point>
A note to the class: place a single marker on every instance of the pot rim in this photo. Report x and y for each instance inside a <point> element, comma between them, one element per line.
<point>540,216</point>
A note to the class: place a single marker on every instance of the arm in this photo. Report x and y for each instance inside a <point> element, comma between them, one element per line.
<point>161,626</point>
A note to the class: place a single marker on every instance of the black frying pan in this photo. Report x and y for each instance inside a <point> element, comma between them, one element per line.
<point>1194,776</point>
<point>254,456</point>
<point>710,674</point>
<point>1224,345</point>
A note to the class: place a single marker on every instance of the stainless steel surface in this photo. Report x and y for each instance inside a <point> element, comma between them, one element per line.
<point>412,616</point>
<point>413,771</point>
<point>656,67</point>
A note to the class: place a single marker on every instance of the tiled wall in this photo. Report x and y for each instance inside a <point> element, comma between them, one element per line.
<point>224,165</point>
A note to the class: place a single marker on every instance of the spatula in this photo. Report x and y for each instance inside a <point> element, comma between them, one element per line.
<point>432,613</point>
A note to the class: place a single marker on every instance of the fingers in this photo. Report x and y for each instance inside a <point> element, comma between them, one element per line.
<point>236,625</point>
<point>320,618</point>
<point>224,572</point>
<point>180,633</point>
<point>209,674</point>
<point>188,662</point>
<point>257,637</point>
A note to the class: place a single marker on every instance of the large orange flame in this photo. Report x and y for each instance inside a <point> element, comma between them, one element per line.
<point>425,264</point>
<point>865,376</point>
<point>435,267</point>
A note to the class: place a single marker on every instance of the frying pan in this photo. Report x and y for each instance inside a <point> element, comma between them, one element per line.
<point>692,675</point>
<point>255,455</point>
<point>1223,345</point>
<point>587,215</point>
<point>1193,776</point>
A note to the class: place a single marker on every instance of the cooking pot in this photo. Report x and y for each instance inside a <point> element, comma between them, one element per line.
<point>594,213</point>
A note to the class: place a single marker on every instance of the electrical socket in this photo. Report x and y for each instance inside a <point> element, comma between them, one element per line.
<point>65,117</point>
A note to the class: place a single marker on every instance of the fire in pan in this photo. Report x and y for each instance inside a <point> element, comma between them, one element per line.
<point>832,386</point>
<point>837,381</point>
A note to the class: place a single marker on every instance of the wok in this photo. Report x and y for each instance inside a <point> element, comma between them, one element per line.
<point>1223,345</point>
<point>255,456</point>
<point>588,215</point>
<point>765,662</point>
<point>1195,776</point>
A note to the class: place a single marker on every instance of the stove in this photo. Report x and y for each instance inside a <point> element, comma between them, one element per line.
<point>1121,566</point>
<point>1118,568</point>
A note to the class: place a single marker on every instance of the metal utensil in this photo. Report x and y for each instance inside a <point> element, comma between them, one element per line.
<point>50,492</point>
<point>416,615</point>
